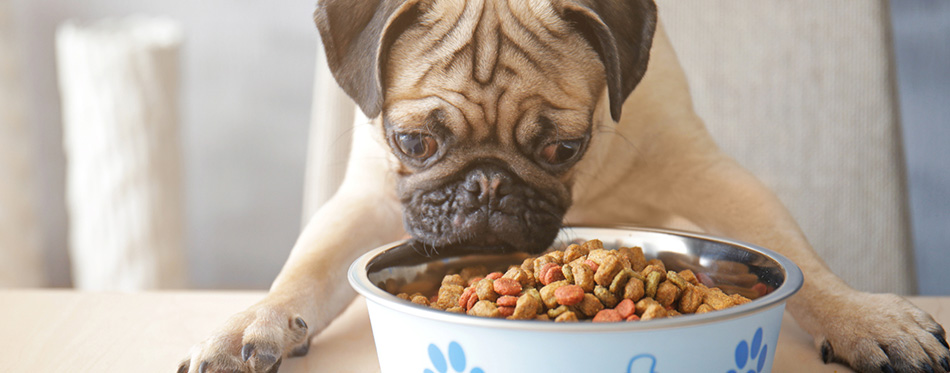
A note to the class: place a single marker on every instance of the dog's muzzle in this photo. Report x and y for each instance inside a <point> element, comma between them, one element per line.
<point>488,206</point>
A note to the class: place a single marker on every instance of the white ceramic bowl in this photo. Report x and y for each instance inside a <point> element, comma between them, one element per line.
<point>740,339</point>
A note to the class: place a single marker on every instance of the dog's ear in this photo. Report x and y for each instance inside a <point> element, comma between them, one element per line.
<point>621,31</point>
<point>356,37</point>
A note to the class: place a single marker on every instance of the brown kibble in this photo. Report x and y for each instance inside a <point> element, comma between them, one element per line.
<point>468,273</point>
<point>573,252</point>
<point>568,316</point>
<point>652,283</point>
<point>626,308</point>
<point>506,286</point>
<point>650,268</point>
<point>690,300</point>
<point>485,290</point>
<point>607,315</point>
<point>645,303</point>
<point>484,308</point>
<point>449,295</point>
<point>590,305</point>
<point>634,290</point>
<point>526,308</point>
<point>557,256</point>
<point>739,299</point>
<point>620,281</point>
<point>608,269</point>
<point>717,299</point>
<point>547,293</point>
<point>689,276</point>
<point>592,245</point>
<point>507,301</point>
<point>658,263</point>
<point>654,311</point>
<point>583,276</point>
<point>391,285</point>
<point>599,255</point>
<point>506,311</point>
<point>704,308</point>
<point>540,266</point>
<point>402,296</point>
<point>635,255</point>
<point>606,297</point>
<point>542,317</point>
<point>455,309</point>
<point>555,312</point>
<point>569,295</point>
<point>568,272</point>
<point>453,280</point>
<point>676,279</point>
<point>593,266</point>
<point>667,293</point>
<point>517,274</point>
<point>420,300</point>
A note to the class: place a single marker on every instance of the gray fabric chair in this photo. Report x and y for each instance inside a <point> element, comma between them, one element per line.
<point>800,92</point>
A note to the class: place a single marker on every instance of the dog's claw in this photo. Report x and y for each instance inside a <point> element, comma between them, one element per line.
<point>887,368</point>
<point>300,323</point>
<point>183,367</point>
<point>300,350</point>
<point>202,367</point>
<point>941,338</point>
<point>246,351</point>
<point>273,369</point>
<point>827,353</point>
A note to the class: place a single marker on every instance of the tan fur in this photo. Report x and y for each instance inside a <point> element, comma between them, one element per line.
<point>657,166</point>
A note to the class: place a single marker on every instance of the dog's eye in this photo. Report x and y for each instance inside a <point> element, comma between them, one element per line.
<point>560,152</point>
<point>416,145</point>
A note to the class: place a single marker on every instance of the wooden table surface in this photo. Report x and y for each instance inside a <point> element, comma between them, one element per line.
<point>68,331</point>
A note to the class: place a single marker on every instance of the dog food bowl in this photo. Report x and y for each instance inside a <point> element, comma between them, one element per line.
<point>412,338</point>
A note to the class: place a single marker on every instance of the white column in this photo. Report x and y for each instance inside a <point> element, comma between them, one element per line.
<point>331,130</point>
<point>119,85</point>
<point>21,257</point>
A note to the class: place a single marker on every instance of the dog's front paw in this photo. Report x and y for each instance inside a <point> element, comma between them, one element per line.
<point>253,341</point>
<point>881,333</point>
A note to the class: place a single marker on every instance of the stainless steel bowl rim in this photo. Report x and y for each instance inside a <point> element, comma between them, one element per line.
<point>359,280</point>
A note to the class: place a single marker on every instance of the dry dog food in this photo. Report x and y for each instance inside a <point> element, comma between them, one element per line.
<point>583,282</point>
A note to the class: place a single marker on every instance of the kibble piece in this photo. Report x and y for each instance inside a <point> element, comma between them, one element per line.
<point>468,273</point>
<point>633,318</point>
<point>542,317</point>
<point>689,276</point>
<point>739,299</point>
<point>534,293</point>
<point>573,252</point>
<point>652,283</point>
<point>526,308</point>
<point>506,286</point>
<point>555,312</point>
<point>607,315</point>
<point>677,280</point>
<point>449,295</point>
<point>717,299</point>
<point>539,266</point>
<point>599,255</point>
<point>494,275</point>
<point>583,276</point>
<point>453,280</point>
<point>620,281</point>
<point>506,311</point>
<point>634,290</point>
<point>626,308</point>
<point>606,297</point>
<point>703,309</point>
<point>420,300</point>
<point>650,268</point>
<point>592,245</point>
<point>568,316</point>
<point>691,299</point>
<point>402,296</point>
<point>557,256</point>
<point>507,301</point>
<point>653,311</point>
<point>484,308</point>
<point>645,303</point>
<point>609,268</point>
<point>517,274</point>
<point>551,273</point>
<point>486,290</point>
<point>547,293</point>
<point>568,272</point>
<point>569,295</point>
<point>667,293</point>
<point>635,256</point>
<point>590,305</point>
<point>455,309</point>
<point>658,263</point>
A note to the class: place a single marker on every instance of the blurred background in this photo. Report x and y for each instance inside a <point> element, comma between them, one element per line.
<point>240,116</point>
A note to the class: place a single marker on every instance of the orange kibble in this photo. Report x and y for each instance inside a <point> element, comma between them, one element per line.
<point>507,286</point>
<point>494,275</point>
<point>569,295</point>
<point>626,308</point>
<point>507,301</point>
<point>607,315</point>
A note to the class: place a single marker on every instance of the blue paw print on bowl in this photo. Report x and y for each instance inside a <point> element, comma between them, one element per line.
<point>751,354</point>
<point>456,359</point>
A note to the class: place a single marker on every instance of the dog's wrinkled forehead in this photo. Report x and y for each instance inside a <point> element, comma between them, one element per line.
<point>494,67</point>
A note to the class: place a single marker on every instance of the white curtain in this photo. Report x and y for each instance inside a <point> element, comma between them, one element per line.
<point>119,86</point>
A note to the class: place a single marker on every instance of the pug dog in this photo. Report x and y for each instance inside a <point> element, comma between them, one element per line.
<point>496,122</point>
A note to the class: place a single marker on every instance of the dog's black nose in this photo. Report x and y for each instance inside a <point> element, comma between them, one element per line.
<point>489,183</point>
